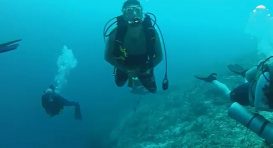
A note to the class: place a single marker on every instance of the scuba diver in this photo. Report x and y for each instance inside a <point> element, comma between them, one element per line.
<point>257,92</point>
<point>137,87</point>
<point>54,103</point>
<point>134,47</point>
<point>9,46</point>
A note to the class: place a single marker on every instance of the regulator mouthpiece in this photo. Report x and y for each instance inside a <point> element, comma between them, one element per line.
<point>135,21</point>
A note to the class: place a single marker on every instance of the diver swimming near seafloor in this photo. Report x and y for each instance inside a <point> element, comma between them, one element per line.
<point>134,47</point>
<point>257,92</point>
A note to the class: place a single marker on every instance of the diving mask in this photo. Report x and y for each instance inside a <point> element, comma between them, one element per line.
<point>133,14</point>
<point>49,90</point>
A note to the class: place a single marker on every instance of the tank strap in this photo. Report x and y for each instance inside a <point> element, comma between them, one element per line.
<point>150,34</point>
<point>259,72</point>
<point>251,93</point>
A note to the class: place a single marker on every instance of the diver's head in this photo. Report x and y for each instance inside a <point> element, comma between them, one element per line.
<point>50,89</point>
<point>132,11</point>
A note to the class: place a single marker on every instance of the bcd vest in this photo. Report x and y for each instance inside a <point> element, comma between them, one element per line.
<point>149,32</point>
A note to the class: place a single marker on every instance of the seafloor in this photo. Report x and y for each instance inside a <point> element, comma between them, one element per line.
<point>190,115</point>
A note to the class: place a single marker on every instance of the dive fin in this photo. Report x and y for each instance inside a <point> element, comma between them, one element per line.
<point>9,43</point>
<point>8,46</point>
<point>237,69</point>
<point>209,78</point>
<point>78,114</point>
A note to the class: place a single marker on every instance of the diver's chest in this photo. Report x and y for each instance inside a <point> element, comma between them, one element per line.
<point>135,46</point>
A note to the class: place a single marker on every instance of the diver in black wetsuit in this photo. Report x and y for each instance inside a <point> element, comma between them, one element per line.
<point>9,46</point>
<point>54,103</point>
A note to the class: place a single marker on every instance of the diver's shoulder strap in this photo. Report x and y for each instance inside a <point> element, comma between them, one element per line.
<point>150,34</point>
<point>120,35</point>
<point>112,31</point>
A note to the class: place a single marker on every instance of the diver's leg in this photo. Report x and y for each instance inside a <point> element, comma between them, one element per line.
<point>240,94</point>
<point>77,113</point>
<point>120,78</point>
<point>222,87</point>
<point>68,103</point>
<point>148,81</point>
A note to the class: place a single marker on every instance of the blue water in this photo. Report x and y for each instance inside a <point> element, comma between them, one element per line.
<point>197,33</point>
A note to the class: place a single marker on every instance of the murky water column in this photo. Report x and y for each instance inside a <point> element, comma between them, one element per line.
<point>260,27</point>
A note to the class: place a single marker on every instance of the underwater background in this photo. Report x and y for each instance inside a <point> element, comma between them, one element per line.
<point>197,34</point>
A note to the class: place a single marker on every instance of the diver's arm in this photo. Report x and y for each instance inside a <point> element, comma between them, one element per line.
<point>44,100</point>
<point>158,51</point>
<point>108,56</point>
<point>45,104</point>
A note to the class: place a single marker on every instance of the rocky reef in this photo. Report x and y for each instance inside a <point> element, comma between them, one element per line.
<point>191,116</point>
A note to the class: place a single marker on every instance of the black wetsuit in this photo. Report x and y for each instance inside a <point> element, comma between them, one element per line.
<point>147,80</point>
<point>240,94</point>
<point>54,104</point>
